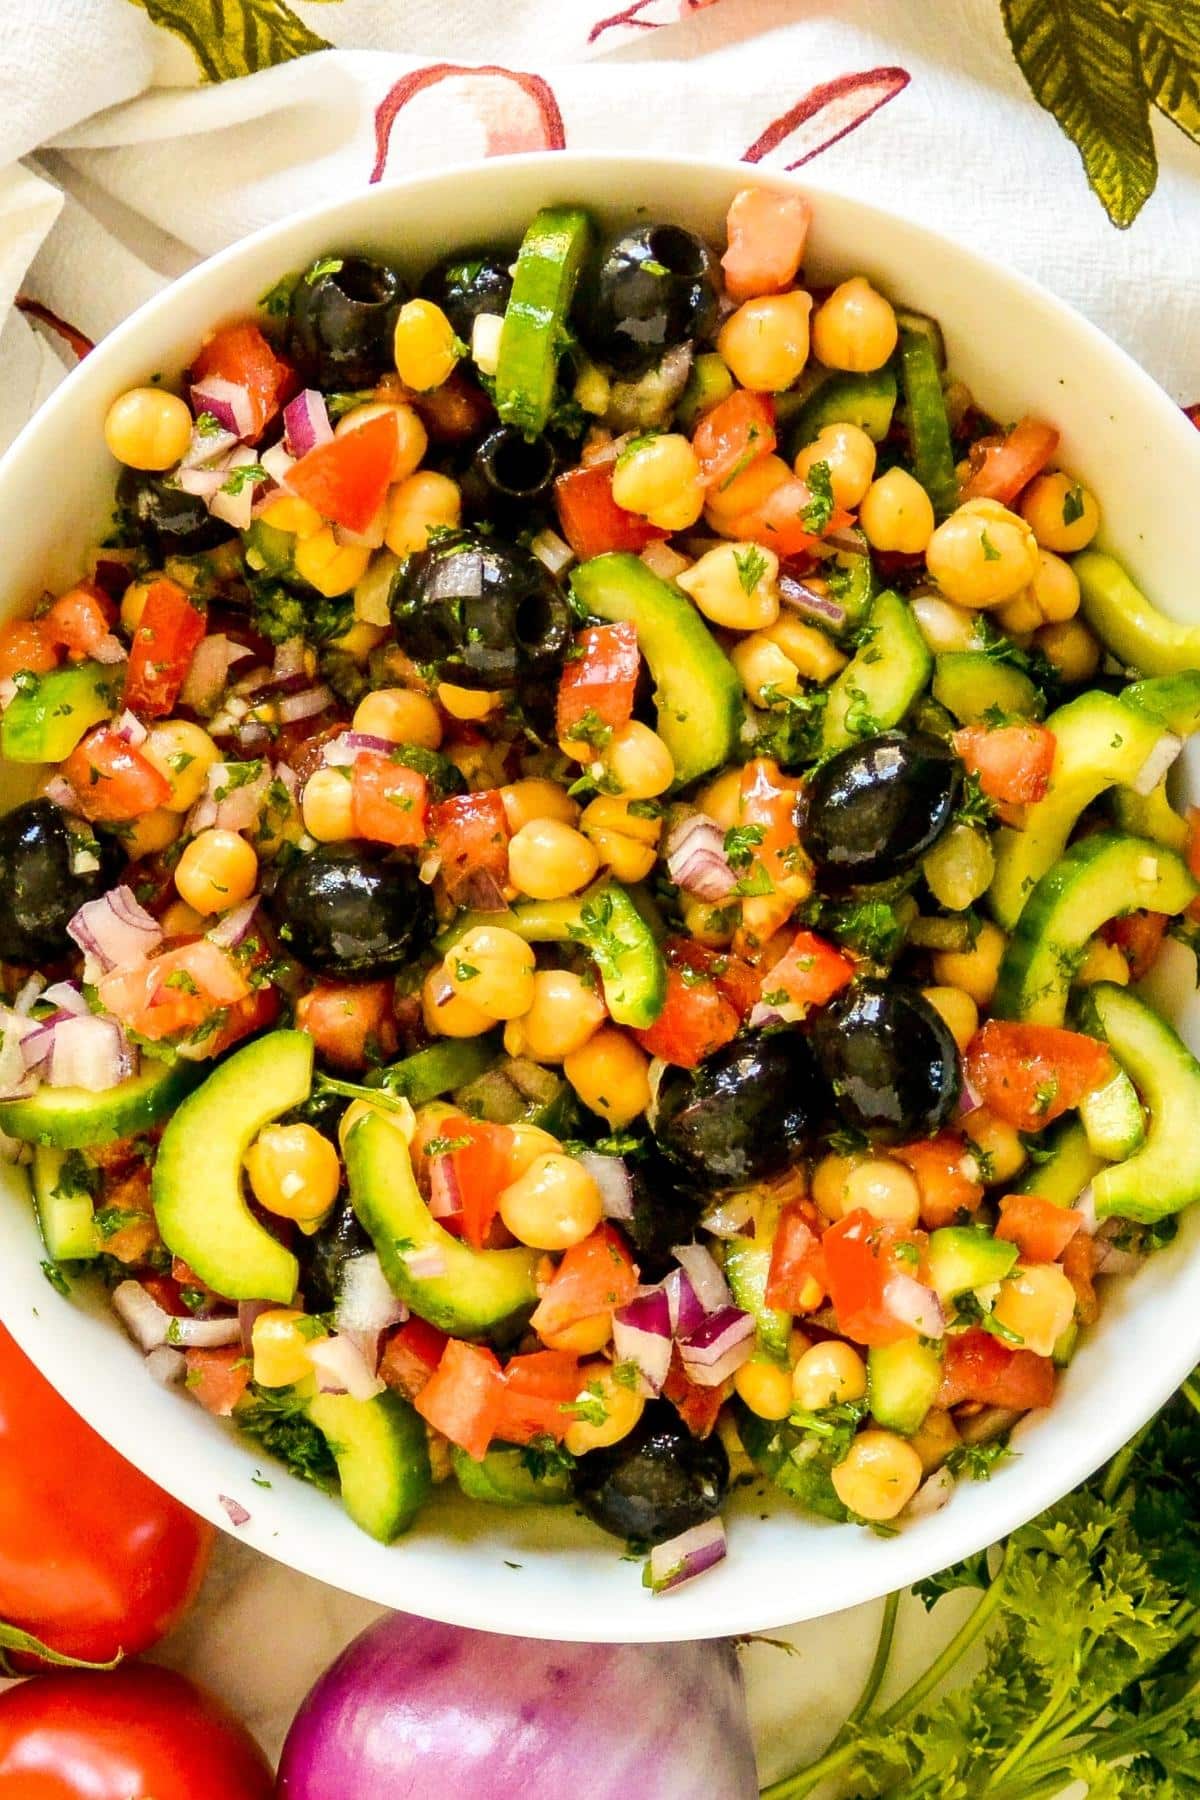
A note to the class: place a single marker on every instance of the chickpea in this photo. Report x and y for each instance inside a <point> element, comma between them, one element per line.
<point>217,870</point>
<point>626,841</point>
<point>330,567</point>
<point>466,704</point>
<point>400,716</point>
<point>1055,587</point>
<point>1062,513</point>
<point>1102,962</point>
<point>897,514</point>
<point>1037,1303</point>
<point>712,925</point>
<point>976,970</point>
<point>493,969</point>
<point>564,1015</point>
<point>359,639</point>
<point>827,1375</point>
<point>416,505</point>
<point>1072,649</point>
<point>885,1189</point>
<point>621,1404</point>
<point>722,799</point>
<point>294,1172</point>
<point>133,604</point>
<point>659,477</point>
<point>182,920</point>
<point>153,832</point>
<point>855,328</point>
<point>957,1009</point>
<point>326,805</point>
<point>447,1014</point>
<point>829,1179</point>
<point>610,1075</point>
<point>148,428</point>
<point>765,342</point>
<point>549,860</point>
<point>944,626</point>
<point>878,1476</point>
<point>849,455</point>
<point>584,1338</point>
<point>766,672</point>
<point>637,761</point>
<point>982,554</point>
<point>765,1387</point>
<point>183,754</point>
<point>1000,1144</point>
<point>535,798</point>
<point>735,586</point>
<point>526,1143</point>
<point>280,1340</point>
<point>553,1205</point>
<point>960,866</point>
<point>1020,616</point>
<point>935,1437</point>
<point>425,345</point>
<point>806,648</point>
<point>411,437</point>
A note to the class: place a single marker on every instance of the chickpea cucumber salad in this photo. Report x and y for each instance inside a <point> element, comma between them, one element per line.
<point>597,824</point>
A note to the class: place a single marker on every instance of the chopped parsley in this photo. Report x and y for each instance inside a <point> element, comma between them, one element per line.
<point>276,1419</point>
<point>820,509</point>
<point>325,265</point>
<point>741,841</point>
<point>751,566</point>
<point>241,478</point>
<point>1072,506</point>
<point>990,552</point>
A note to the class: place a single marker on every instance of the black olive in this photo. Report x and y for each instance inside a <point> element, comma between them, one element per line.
<point>343,316</point>
<point>165,516</point>
<point>875,808</point>
<point>43,884</point>
<point>665,1213</point>
<point>744,1113</point>
<point>467,283</point>
<point>656,1482</point>
<point>485,614</point>
<point>890,1060</point>
<point>324,1255</point>
<point>655,287</point>
<point>351,909</point>
<point>512,466</point>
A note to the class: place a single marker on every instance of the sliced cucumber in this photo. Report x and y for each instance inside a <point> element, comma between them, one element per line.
<point>70,1118</point>
<point>46,719</point>
<point>794,1462</point>
<point>519,1092</point>
<point>1151,816</point>
<point>1066,1170</point>
<point>881,681</point>
<point>549,262</point>
<point>902,1382</point>
<point>382,1456</point>
<point>1164,1175</point>
<point>708,383</point>
<point>928,424</point>
<point>1130,625</point>
<point>1093,881</point>
<point>65,1214</point>
<point>503,1478</point>
<point>1112,1118</point>
<point>747,1266</point>
<point>429,1073</point>
<point>962,1257</point>
<point>970,684</point>
<point>867,401</point>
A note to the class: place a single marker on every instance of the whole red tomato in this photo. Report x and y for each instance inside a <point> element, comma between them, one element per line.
<point>94,1559</point>
<point>138,1734</point>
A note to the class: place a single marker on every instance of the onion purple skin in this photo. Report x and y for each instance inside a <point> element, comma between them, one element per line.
<point>413,1709</point>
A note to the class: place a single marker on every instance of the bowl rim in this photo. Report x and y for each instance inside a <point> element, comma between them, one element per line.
<point>630,1616</point>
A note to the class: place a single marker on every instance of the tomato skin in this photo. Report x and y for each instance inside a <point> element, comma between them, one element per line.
<point>599,681</point>
<point>946,1192</point>
<point>410,1356</point>
<point>1012,763</point>
<point>591,520</point>
<point>139,1733</point>
<point>478,1170</point>
<point>1139,935</point>
<point>168,632</point>
<point>767,233</point>
<point>1079,1267</point>
<point>94,1559</point>
<point>860,1260</point>
<point>698,1407</point>
<point>777,522</point>
<point>388,802</point>
<point>349,1021</point>
<point>217,1378</point>
<point>1006,467</point>
<point>113,782</point>
<point>1040,1229</point>
<point>471,835</point>
<point>80,622</point>
<point>696,1019</point>
<point>977,1366</point>
<point>347,478</point>
<point>796,1261</point>
<point>593,1277</point>
<point>1029,1074</point>
<point>536,1396</point>
<point>733,435</point>
<point>736,980</point>
<point>460,1397</point>
<point>768,799</point>
<point>241,354</point>
<point>811,972</point>
<point>24,645</point>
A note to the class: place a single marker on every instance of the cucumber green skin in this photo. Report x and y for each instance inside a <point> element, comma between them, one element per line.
<point>448,1063</point>
<point>929,428</point>
<point>1128,624</point>
<point>747,1266</point>
<point>197,1183</point>
<point>902,1381</point>
<point>962,1257</point>
<point>969,684</point>
<point>1151,816</point>
<point>867,401</point>
<point>269,549</point>
<point>1093,881</point>
<point>1066,1172</point>
<point>46,724</point>
<point>502,1479</point>
<point>635,985</point>
<point>1112,1118</point>
<point>1066,1346</point>
<point>548,265</point>
<point>75,1119</point>
<point>495,1096</point>
<point>707,385</point>
<point>697,692</point>
<point>382,1456</point>
<point>481,1291</point>
<point>889,672</point>
<point>66,1221</point>
<point>1164,1175</point>
<point>769,1444</point>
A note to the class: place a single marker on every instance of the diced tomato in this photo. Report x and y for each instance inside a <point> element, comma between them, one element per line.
<point>1029,1074</point>
<point>81,623</point>
<point>347,477</point>
<point>740,984</point>
<point>1079,1267</point>
<point>1011,762</point>
<point>977,1366</point>
<point>113,781</point>
<point>732,436</point>
<point>591,520</point>
<point>947,1191</point>
<point>1193,413</point>
<point>472,1171</point>
<point>1139,935</point>
<point>461,1398</point>
<point>254,1012</point>
<point>163,645</point>
<point>218,1378</point>
<point>796,1281</point>
<point>388,802</point>
<point>1040,1229</point>
<point>174,992</point>
<point>1003,468</point>
<point>778,867</point>
<point>593,1278</point>
<point>861,1256</point>
<point>410,1356</point>
<point>811,973</point>
<point>779,520</point>
<point>471,835</point>
<point>696,1019</point>
<point>767,232</point>
<point>24,645</point>
<point>167,1293</point>
<point>536,1396</point>
<point>241,354</point>
<point>351,1022</point>
<point>698,1407</point>
<point>599,680</point>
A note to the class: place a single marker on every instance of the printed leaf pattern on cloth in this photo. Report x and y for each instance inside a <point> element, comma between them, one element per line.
<point>1168,34</point>
<point>825,115</point>
<point>230,38</point>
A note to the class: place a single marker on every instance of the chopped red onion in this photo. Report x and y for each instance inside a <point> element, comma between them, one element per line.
<point>208,447</point>
<point>788,1012</point>
<point>343,1369</point>
<point>800,598</point>
<point>234,502</point>
<point>109,650</point>
<point>247,1312</point>
<point>684,1557</point>
<point>38,1042</point>
<point>969,1097</point>
<point>238,1515</point>
<point>642,1334</point>
<point>28,994</point>
<point>551,551</point>
<point>278,464</point>
<point>230,800</point>
<point>59,790</point>
<point>370,539</point>
<point>611,1175</point>
<point>1157,763</point>
<point>931,1496</point>
<point>482,892</point>
<point>8,692</point>
<point>340,752</point>
<point>1111,1261</point>
<point>205,1334</point>
<point>291,659</point>
<point>428,873</point>
<point>851,540</point>
<point>913,1304</point>
<point>696,859</point>
<point>204,484</point>
<point>139,1312</point>
<point>230,404</point>
<point>1085,1203</point>
<point>234,925</point>
<point>306,705</point>
<point>306,422</point>
<point>89,1052</point>
<point>16,1078</point>
<point>130,730</point>
<point>208,671</point>
<point>445,1195</point>
<point>708,1283</point>
<point>728,1217</point>
<point>687,1314</point>
<point>426,1264</point>
<point>721,1345</point>
<point>166,1366</point>
<point>365,1301</point>
<point>286,774</point>
<point>114,932</point>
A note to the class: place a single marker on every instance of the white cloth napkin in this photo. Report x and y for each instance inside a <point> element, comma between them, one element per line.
<point>118,170</point>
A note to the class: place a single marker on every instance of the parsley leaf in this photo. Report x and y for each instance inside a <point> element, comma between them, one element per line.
<point>751,566</point>
<point>820,509</point>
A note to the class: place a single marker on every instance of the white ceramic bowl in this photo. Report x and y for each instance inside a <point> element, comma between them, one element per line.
<point>537,1572</point>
